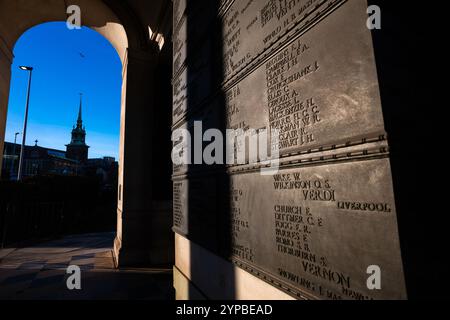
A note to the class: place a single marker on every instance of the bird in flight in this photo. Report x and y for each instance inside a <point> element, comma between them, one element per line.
<point>82,55</point>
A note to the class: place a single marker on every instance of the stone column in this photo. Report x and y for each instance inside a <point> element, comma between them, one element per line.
<point>6,58</point>
<point>137,242</point>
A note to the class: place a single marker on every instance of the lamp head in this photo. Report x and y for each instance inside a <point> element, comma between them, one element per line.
<point>26,68</point>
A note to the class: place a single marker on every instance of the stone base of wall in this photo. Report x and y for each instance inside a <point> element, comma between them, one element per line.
<point>199,274</point>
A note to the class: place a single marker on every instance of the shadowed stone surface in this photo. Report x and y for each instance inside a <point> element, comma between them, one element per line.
<point>39,272</point>
<point>306,72</point>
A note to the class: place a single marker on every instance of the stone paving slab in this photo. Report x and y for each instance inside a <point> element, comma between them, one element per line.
<point>5,252</point>
<point>39,272</point>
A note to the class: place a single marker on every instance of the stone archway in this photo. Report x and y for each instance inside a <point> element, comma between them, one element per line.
<point>137,34</point>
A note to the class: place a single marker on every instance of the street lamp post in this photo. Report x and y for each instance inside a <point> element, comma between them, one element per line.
<point>14,155</point>
<point>24,135</point>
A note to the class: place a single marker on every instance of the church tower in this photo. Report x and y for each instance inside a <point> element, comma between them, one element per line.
<point>77,149</point>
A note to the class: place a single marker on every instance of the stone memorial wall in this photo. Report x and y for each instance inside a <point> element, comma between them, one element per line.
<point>306,68</point>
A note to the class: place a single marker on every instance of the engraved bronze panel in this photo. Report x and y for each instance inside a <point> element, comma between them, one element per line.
<point>321,89</point>
<point>319,228</point>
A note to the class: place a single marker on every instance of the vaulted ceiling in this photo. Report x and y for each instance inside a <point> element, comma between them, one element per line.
<point>125,23</point>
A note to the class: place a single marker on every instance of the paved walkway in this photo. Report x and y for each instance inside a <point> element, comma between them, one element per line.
<point>39,272</point>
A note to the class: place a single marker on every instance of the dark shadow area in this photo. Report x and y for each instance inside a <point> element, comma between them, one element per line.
<point>44,207</point>
<point>162,172</point>
<point>207,187</point>
<point>161,162</point>
<point>98,285</point>
<point>405,91</point>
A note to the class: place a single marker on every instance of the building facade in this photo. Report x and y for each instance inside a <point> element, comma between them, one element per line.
<point>37,161</point>
<point>72,162</point>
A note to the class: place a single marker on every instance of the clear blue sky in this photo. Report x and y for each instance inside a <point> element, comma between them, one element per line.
<point>60,74</point>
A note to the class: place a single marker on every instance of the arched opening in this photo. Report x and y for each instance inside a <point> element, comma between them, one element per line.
<point>144,236</point>
<point>72,142</point>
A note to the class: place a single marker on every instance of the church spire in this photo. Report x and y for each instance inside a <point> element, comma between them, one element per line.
<point>77,148</point>
<point>80,119</point>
